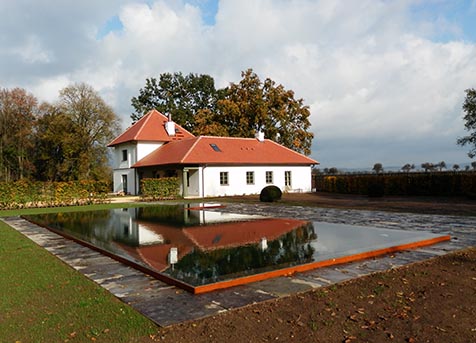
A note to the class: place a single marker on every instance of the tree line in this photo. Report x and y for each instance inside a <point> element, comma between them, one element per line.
<point>406,168</point>
<point>67,139</point>
<point>239,110</point>
<point>60,141</point>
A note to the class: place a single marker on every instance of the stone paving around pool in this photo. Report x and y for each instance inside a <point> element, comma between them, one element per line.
<point>167,305</point>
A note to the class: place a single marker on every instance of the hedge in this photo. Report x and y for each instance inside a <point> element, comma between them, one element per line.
<point>25,193</point>
<point>161,188</point>
<point>434,184</point>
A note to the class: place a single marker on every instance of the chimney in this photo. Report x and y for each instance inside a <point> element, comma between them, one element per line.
<point>170,126</point>
<point>260,136</point>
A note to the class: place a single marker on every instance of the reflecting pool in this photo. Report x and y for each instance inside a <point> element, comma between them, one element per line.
<point>202,250</point>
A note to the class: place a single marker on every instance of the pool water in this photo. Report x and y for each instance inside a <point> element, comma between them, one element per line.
<point>202,250</point>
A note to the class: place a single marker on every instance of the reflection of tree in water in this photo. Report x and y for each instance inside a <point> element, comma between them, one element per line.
<point>203,267</point>
<point>169,214</point>
<point>91,226</point>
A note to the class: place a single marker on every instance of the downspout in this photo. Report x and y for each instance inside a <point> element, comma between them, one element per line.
<point>203,180</point>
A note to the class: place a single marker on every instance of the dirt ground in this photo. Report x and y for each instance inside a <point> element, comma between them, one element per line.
<point>427,205</point>
<point>431,301</point>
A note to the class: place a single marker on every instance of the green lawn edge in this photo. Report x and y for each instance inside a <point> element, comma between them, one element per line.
<point>45,300</point>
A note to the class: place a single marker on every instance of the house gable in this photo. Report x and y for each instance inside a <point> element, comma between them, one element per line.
<point>151,128</point>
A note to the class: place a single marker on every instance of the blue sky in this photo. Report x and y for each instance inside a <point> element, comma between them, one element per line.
<point>384,80</point>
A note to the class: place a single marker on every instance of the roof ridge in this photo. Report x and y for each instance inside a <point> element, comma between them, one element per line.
<point>226,137</point>
<point>146,120</point>
<point>190,149</point>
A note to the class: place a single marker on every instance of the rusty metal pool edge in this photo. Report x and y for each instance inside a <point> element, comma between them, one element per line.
<point>315,265</point>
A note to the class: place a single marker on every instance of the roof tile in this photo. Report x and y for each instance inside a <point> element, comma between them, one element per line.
<point>229,150</point>
<point>151,127</point>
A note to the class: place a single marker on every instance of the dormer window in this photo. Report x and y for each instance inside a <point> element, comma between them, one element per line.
<point>124,155</point>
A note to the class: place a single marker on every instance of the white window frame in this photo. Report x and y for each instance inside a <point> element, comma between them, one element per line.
<point>250,177</point>
<point>224,181</point>
<point>287,178</point>
<point>269,177</point>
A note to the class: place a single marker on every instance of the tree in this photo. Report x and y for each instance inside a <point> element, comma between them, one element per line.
<point>456,167</point>
<point>428,166</point>
<point>240,110</point>
<point>473,165</point>
<point>56,145</point>
<point>18,111</point>
<point>177,95</point>
<point>441,165</point>
<point>378,168</point>
<point>92,125</point>
<point>469,107</point>
<point>407,167</point>
<point>251,106</point>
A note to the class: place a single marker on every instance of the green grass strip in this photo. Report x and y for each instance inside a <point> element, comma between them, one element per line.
<point>44,300</point>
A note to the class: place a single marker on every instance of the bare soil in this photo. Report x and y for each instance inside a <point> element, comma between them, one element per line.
<point>418,204</point>
<point>431,301</point>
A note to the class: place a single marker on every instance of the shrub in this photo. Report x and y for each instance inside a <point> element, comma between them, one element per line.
<point>270,194</point>
<point>159,189</point>
<point>376,189</point>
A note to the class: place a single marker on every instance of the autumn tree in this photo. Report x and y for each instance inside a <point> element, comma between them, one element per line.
<point>469,107</point>
<point>177,95</point>
<point>17,119</point>
<point>56,145</point>
<point>240,110</point>
<point>251,106</point>
<point>83,124</point>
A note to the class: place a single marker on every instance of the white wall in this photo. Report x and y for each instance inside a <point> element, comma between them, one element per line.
<point>144,149</point>
<point>135,152</point>
<point>300,179</point>
<point>131,180</point>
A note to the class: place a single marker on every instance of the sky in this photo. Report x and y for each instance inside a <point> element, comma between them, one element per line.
<point>385,80</point>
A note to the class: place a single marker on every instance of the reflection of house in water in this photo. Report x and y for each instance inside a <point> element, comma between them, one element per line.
<point>150,240</point>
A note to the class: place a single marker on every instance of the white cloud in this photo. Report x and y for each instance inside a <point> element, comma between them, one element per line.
<point>367,68</point>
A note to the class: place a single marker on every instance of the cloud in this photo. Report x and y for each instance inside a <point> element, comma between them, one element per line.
<point>390,72</point>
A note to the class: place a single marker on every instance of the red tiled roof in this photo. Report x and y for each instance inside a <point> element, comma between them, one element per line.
<point>228,235</point>
<point>208,237</point>
<point>223,150</point>
<point>151,127</point>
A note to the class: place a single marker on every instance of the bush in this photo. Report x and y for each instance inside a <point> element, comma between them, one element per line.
<point>26,194</point>
<point>376,189</point>
<point>270,194</point>
<point>423,184</point>
<point>161,189</point>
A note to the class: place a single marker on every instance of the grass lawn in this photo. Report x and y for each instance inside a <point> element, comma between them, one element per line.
<point>44,300</point>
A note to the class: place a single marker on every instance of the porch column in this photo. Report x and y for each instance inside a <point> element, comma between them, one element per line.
<point>184,182</point>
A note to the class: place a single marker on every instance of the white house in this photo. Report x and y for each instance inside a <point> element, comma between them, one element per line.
<point>207,166</point>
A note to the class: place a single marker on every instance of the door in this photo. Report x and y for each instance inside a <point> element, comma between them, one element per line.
<point>124,184</point>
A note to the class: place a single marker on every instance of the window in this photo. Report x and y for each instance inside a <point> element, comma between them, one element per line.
<point>250,178</point>
<point>124,155</point>
<point>287,178</point>
<point>224,178</point>
<point>269,177</point>
<point>215,147</point>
